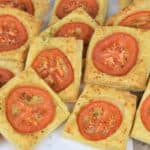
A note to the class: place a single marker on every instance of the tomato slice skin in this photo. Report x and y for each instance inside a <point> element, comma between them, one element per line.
<point>145,113</point>
<point>5,76</point>
<point>79,30</point>
<point>29,109</point>
<point>99,120</point>
<point>25,5</point>
<point>67,6</point>
<point>13,34</point>
<point>116,54</point>
<point>55,68</point>
<point>138,20</point>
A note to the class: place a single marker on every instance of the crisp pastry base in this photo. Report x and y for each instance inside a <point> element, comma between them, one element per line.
<point>139,131</point>
<point>137,6</point>
<point>136,78</point>
<point>72,48</point>
<point>41,7</point>
<point>28,141</point>
<point>78,15</point>
<point>100,18</point>
<point>15,65</point>
<point>125,101</point>
<point>32,26</point>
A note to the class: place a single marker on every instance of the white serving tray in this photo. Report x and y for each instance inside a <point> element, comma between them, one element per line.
<point>56,141</point>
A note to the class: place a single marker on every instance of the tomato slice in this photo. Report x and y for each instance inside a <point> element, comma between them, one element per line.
<point>67,6</point>
<point>12,33</point>
<point>5,76</point>
<point>54,67</point>
<point>79,30</point>
<point>145,113</point>
<point>99,120</point>
<point>116,54</point>
<point>29,109</point>
<point>138,20</point>
<point>25,5</point>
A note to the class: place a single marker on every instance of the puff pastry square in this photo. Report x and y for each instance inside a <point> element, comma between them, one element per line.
<point>136,78</point>
<point>100,17</point>
<point>39,8</point>
<point>78,15</point>
<point>136,7</point>
<point>124,101</point>
<point>72,49</point>
<point>28,141</point>
<point>31,24</point>
<point>139,131</point>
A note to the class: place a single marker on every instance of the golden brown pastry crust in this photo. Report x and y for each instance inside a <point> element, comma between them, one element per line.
<point>137,6</point>
<point>72,48</point>
<point>100,18</point>
<point>136,78</point>
<point>125,101</point>
<point>28,141</point>
<point>32,26</point>
<point>15,65</point>
<point>139,131</point>
<point>78,15</point>
<point>41,7</point>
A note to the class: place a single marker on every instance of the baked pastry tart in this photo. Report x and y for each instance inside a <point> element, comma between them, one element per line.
<point>102,118</point>
<point>141,128</point>
<point>17,28</point>
<point>58,62</point>
<point>118,57</point>
<point>77,24</point>
<point>34,7</point>
<point>30,110</point>
<point>136,15</point>
<point>9,67</point>
<point>97,9</point>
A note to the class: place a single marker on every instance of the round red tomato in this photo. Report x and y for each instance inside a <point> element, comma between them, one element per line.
<point>145,113</point>
<point>116,54</point>
<point>5,75</point>
<point>79,30</point>
<point>25,5</point>
<point>12,33</point>
<point>66,6</point>
<point>138,20</point>
<point>99,120</point>
<point>54,67</point>
<point>29,109</point>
